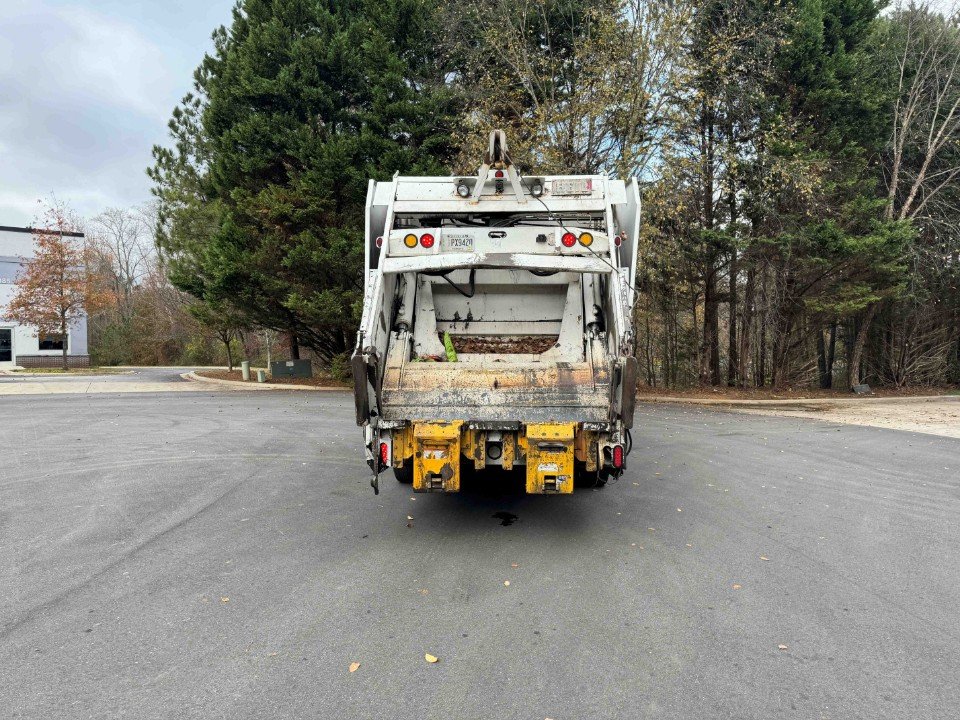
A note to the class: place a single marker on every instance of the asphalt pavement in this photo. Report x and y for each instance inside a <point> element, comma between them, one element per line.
<point>221,555</point>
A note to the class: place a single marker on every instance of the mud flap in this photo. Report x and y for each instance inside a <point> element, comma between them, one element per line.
<point>550,458</point>
<point>436,457</point>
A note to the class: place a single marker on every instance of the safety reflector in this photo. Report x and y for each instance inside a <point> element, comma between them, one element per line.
<point>586,239</point>
<point>410,240</point>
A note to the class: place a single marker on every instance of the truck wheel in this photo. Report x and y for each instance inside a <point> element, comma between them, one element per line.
<point>404,474</point>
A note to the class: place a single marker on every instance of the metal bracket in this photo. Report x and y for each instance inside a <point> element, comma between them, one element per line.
<point>498,158</point>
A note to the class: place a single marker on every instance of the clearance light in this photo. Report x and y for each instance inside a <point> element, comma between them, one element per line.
<point>426,240</point>
<point>568,239</point>
<point>618,456</point>
<point>410,240</point>
<point>586,239</point>
<point>380,241</point>
<point>463,190</point>
<point>384,453</point>
<point>617,239</point>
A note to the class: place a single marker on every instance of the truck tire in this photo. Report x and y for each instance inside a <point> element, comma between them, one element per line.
<point>404,474</point>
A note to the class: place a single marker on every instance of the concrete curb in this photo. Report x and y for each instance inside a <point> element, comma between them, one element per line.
<point>240,385</point>
<point>797,403</point>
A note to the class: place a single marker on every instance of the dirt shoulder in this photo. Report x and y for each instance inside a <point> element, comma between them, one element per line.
<point>645,392</point>
<point>935,416</point>
<point>934,411</point>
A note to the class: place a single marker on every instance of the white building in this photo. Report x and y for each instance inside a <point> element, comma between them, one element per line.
<point>21,345</point>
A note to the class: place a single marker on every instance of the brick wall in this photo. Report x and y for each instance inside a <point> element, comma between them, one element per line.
<point>52,361</point>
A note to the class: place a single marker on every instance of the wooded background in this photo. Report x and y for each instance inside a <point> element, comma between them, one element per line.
<point>800,163</point>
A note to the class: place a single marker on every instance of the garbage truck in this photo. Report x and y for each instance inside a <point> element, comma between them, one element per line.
<point>496,327</point>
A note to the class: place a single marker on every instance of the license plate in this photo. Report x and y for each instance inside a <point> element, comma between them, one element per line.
<point>457,243</point>
<point>573,186</point>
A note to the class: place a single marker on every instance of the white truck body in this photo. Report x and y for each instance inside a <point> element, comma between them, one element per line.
<point>533,278</point>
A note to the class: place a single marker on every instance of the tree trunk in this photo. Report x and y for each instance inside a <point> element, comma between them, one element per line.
<point>294,345</point>
<point>226,344</point>
<point>762,344</point>
<point>732,349</point>
<point>822,359</point>
<point>648,349</point>
<point>826,349</point>
<point>710,356</point>
<point>856,355</point>
<point>63,338</point>
<point>788,315</point>
<point>831,353</point>
<point>745,329</point>
<point>733,352</point>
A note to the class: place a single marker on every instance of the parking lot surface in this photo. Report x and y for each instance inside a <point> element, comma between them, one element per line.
<point>221,555</point>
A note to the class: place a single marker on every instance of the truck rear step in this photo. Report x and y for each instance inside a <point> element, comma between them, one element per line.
<point>437,447</point>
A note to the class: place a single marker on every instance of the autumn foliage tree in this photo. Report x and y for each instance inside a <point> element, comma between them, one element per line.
<point>56,287</point>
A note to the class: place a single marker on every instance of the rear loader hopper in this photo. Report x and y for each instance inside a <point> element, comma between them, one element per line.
<point>496,326</point>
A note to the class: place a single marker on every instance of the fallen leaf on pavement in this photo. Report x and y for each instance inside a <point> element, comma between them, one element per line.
<point>430,658</point>
<point>514,565</point>
<point>409,517</point>
<point>736,586</point>
<point>507,583</point>
<point>763,557</point>
<point>354,666</point>
<point>782,647</point>
<point>224,599</point>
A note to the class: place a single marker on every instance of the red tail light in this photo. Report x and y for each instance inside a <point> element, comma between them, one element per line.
<point>384,453</point>
<point>618,456</point>
<point>568,239</point>
<point>426,240</point>
<point>498,174</point>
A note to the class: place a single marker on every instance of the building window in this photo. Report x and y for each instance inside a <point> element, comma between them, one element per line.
<point>51,342</point>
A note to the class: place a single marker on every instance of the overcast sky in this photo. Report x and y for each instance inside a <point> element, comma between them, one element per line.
<point>86,89</point>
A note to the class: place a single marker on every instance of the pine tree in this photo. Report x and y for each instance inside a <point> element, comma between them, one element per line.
<point>301,102</point>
